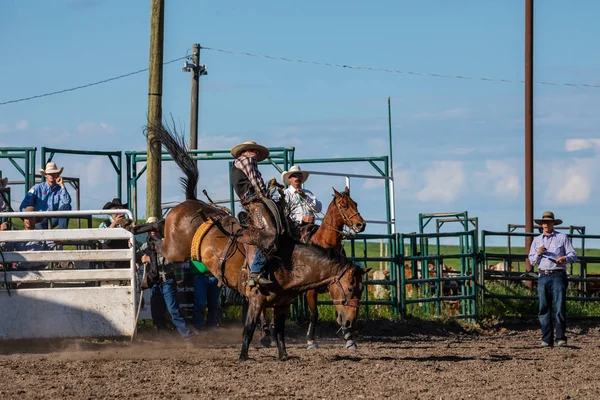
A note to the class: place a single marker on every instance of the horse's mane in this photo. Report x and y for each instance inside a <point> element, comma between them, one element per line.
<point>318,253</point>
<point>176,147</point>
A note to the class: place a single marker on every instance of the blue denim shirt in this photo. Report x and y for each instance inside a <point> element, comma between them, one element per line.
<point>45,198</point>
<point>557,244</point>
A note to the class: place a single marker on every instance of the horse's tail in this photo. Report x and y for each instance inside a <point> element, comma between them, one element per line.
<point>177,148</point>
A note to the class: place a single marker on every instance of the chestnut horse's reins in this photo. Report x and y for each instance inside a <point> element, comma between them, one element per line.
<point>345,302</point>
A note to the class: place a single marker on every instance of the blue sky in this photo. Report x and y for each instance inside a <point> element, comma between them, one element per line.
<point>458,144</point>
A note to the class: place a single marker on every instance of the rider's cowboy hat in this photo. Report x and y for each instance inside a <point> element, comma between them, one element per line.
<point>151,220</point>
<point>51,168</point>
<point>115,203</point>
<point>3,182</point>
<point>31,209</point>
<point>548,216</point>
<point>293,170</point>
<point>263,152</point>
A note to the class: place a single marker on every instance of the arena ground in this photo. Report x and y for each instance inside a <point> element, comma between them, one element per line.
<point>395,360</point>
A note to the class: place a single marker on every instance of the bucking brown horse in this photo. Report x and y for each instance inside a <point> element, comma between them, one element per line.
<point>294,267</point>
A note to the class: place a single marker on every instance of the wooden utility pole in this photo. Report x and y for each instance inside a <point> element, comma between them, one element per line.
<point>153,172</point>
<point>528,129</point>
<point>194,100</point>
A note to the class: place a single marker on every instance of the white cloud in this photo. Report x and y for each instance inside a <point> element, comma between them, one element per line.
<point>443,182</point>
<point>373,183</point>
<point>500,178</point>
<point>582,144</point>
<point>571,182</point>
<point>92,128</point>
<point>21,125</point>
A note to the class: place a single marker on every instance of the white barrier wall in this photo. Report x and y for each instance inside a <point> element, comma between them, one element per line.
<point>80,303</point>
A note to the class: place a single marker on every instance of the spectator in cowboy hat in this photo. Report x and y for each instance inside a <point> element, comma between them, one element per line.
<point>115,221</point>
<point>32,245</point>
<point>301,204</point>
<point>551,251</point>
<point>50,195</point>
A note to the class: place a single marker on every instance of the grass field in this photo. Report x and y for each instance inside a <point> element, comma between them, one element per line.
<point>373,249</point>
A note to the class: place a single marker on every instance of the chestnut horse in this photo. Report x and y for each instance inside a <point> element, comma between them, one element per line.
<point>295,267</point>
<point>342,211</point>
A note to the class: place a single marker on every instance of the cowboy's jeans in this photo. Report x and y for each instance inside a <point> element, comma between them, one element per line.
<point>164,296</point>
<point>259,261</point>
<point>206,293</point>
<point>62,223</point>
<point>553,288</point>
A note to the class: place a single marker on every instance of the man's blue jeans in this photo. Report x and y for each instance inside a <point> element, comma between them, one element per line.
<point>259,261</point>
<point>553,288</point>
<point>62,223</point>
<point>206,293</point>
<point>164,297</point>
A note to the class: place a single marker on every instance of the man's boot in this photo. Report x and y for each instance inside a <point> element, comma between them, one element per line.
<point>256,278</point>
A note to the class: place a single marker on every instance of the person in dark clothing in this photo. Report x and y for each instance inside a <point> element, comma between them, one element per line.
<point>115,221</point>
<point>250,188</point>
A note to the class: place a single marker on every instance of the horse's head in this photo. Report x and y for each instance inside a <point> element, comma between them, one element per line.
<point>345,290</point>
<point>348,210</point>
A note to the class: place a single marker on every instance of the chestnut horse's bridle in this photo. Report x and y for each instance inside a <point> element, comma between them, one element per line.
<point>345,301</point>
<point>347,220</point>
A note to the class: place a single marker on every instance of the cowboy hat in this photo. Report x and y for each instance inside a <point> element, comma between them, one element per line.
<point>293,170</point>
<point>263,152</point>
<point>115,203</point>
<point>3,182</point>
<point>31,209</point>
<point>51,168</point>
<point>151,220</point>
<point>548,216</point>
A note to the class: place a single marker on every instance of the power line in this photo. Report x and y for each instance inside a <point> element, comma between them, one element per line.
<point>114,78</point>
<point>296,60</point>
<point>395,71</point>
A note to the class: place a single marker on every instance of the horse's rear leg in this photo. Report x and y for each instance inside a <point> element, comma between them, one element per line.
<point>312,296</point>
<point>255,306</point>
<point>265,340</point>
<point>281,313</point>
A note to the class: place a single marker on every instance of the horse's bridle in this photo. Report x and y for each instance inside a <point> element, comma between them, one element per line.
<point>347,220</point>
<point>345,301</point>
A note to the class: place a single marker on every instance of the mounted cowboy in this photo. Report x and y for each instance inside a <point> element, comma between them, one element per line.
<point>301,204</point>
<point>262,235</point>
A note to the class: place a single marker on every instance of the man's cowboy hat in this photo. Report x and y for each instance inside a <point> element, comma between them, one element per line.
<point>548,216</point>
<point>31,209</point>
<point>263,152</point>
<point>151,220</point>
<point>115,203</point>
<point>293,170</point>
<point>3,182</point>
<point>51,168</point>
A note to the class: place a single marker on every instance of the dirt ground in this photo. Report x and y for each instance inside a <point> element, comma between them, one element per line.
<point>394,360</point>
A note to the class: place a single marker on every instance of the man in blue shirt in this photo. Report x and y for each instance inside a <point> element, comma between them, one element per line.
<point>551,251</point>
<point>51,195</point>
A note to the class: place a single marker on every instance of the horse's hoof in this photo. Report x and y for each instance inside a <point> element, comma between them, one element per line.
<point>243,358</point>
<point>265,341</point>
<point>351,346</point>
<point>313,345</point>
<point>284,358</point>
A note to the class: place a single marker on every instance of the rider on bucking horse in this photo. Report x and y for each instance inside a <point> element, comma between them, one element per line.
<point>251,190</point>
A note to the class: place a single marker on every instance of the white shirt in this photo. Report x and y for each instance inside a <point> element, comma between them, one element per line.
<point>297,207</point>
